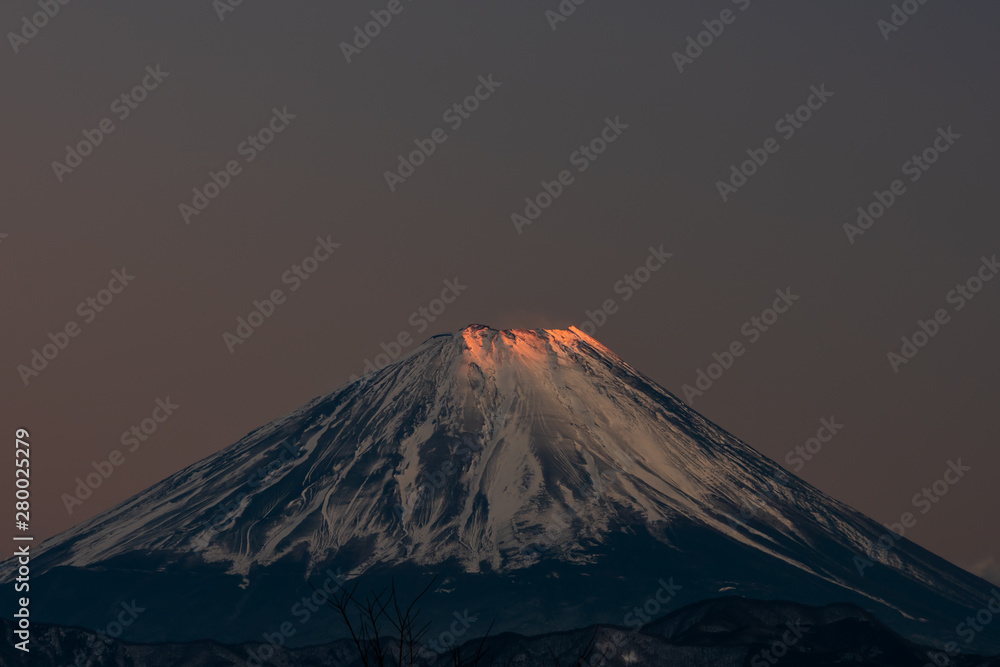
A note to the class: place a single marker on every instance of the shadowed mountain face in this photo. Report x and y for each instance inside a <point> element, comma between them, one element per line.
<point>544,481</point>
<point>727,631</point>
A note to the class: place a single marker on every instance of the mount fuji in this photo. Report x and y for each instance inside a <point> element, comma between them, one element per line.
<point>541,481</point>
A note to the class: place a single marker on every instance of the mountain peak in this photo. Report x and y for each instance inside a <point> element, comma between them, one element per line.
<point>526,454</point>
<point>485,329</point>
<point>530,344</point>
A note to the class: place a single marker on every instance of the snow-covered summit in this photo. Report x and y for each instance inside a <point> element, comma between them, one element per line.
<point>546,479</point>
<point>476,446</point>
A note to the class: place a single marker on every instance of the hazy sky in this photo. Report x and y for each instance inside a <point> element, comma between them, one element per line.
<point>880,96</point>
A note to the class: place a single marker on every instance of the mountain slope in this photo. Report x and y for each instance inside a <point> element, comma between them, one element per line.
<point>532,461</point>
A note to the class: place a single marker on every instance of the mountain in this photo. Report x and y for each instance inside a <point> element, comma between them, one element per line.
<point>727,631</point>
<point>544,482</point>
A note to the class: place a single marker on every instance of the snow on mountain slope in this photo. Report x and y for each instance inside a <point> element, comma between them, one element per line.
<point>497,450</point>
<point>469,448</point>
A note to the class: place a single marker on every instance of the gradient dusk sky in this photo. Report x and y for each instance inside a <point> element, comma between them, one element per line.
<point>892,94</point>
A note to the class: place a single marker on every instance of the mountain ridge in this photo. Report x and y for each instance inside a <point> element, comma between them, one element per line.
<point>464,455</point>
<point>732,630</point>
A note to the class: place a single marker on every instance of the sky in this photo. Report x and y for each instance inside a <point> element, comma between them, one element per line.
<point>266,147</point>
